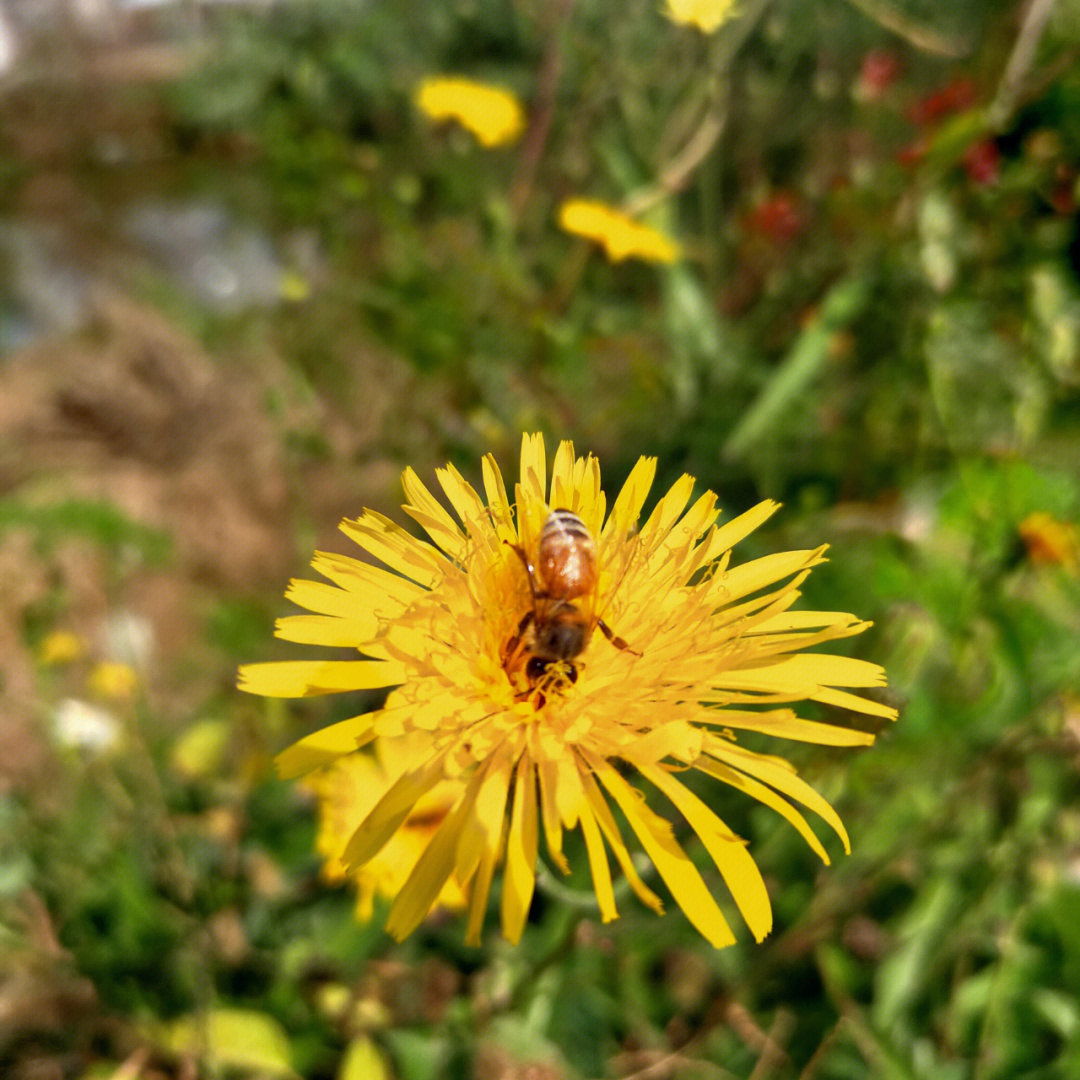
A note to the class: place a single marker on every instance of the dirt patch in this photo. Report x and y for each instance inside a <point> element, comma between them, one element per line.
<point>138,416</point>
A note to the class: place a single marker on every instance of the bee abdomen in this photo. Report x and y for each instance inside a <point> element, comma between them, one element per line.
<point>567,556</point>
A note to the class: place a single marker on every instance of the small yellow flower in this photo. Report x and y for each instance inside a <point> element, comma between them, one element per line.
<point>60,647</point>
<point>113,681</point>
<point>1049,540</point>
<point>713,649</point>
<point>493,115</point>
<point>619,234</point>
<point>348,790</point>
<point>706,15</point>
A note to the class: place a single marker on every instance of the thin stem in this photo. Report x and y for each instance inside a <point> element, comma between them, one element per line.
<point>1020,61</point>
<point>922,37</point>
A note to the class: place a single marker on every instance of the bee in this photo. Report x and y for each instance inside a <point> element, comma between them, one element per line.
<point>557,627</point>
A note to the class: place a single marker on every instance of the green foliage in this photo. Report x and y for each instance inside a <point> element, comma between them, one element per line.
<point>878,321</point>
<point>100,522</point>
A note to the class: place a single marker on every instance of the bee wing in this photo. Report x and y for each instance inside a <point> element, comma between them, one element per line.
<point>616,556</point>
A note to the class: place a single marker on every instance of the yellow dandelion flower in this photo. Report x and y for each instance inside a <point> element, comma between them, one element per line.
<point>113,681</point>
<point>493,115</point>
<point>500,682</point>
<point>617,233</point>
<point>706,15</point>
<point>348,790</point>
<point>60,647</point>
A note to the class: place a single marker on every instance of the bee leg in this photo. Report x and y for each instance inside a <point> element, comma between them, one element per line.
<point>615,640</point>
<point>512,650</point>
<point>530,570</point>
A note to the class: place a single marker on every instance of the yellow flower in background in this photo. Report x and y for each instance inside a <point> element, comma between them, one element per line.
<point>619,234</point>
<point>348,790</point>
<point>1049,540</point>
<point>113,681</point>
<point>706,15</point>
<point>468,627</point>
<point>60,647</point>
<point>493,115</point>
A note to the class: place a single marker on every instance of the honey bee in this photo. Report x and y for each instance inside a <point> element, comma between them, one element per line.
<point>557,627</point>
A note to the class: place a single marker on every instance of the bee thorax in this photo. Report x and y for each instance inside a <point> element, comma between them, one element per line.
<point>560,638</point>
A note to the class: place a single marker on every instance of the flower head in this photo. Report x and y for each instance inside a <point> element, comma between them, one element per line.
<point>539,735</point>
<point>61,647</point>
<point>114,681</point>
<point>617,233</point>
<point>706,15</point>
<point>493,115</point>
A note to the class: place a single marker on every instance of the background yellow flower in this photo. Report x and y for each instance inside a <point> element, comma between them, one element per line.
<point>617,233</point>
<point>706,15</point>
<point>493,115</point>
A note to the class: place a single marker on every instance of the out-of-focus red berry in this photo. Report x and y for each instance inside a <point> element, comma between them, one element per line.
<point>779,218</point>
<point>880,69</point>
<point>982,162</point>
<point>953,97</point>
<point>913,152</point>
<point>1063,198</point>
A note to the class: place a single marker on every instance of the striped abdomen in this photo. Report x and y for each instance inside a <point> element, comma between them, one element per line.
<point>566,557</point>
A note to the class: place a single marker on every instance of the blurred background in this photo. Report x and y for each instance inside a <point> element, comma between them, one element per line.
<point>244,281</point>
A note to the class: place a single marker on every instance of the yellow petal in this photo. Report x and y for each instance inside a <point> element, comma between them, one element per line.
<point>760,573</point>
<point>784,724</point>
<point>482,828</point>
<point>562,478</point>
<point>728,851</point>
<point>843,700</point>
<point>531,489</point>
<point>327,630</point>
<point>767,797</point>
<point>685,532</point>
<point>609,827</point>
<point>598,864</point>
<point>781,775</point>
<point>462,495</point>
<point>386,592</point>
<point>676,739</point>
<point>392,545</point>
<point>671,862</point>
<point>320,597</point>
<point>389,812</point>
<point>498,501</point>
<point>626,510</point>
<point>306,678</point>
<point>420,499</point>
<point>432,870</point>
<point>785,621</point>
<point>667,511</point>
<point>803,675</point>
<point>488,813</point>
<point>738,528</point>
<point>519,877</point>
<point>325,746</point>
<point>547,772</point>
